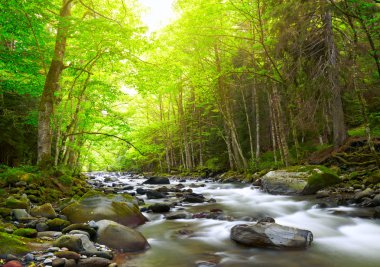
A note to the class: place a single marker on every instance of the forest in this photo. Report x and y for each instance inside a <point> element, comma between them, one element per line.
<point>235,91</point>
<point>228,85</point>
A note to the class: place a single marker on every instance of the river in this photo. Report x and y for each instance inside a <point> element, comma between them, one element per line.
<point>338,240</point>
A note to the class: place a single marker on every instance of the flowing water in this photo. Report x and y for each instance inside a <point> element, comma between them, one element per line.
<point>338,241</point>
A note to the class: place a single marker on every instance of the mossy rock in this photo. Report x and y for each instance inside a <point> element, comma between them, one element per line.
<point>301,180</point>
<point>46,210</point>
<point>7,228</point>
<point>12,244</point>
<point>374,178</point>
<point>98,206</point>
<point>57,224</point>
<point>13,203</point>
<point>26,232</point>
<point>52,195</point>
<point>319,180</point>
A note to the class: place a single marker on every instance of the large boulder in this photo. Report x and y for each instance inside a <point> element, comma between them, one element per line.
<point>271,235</point>
<point>157,180</point>
<point>118,236</point>
<point>304,180</point>
<point>96,206</point>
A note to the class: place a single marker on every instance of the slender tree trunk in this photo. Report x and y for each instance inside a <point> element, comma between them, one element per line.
<point>248,121</point>
<point>273,129</point>
<point>200,131</point>
<point>46,107</point>
<point>294,134</point>
<point>257,120</point>
<point>184,132</point>
<point>339,128</point>
<point>227,139</point>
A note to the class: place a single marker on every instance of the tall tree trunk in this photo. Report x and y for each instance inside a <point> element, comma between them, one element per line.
<point>257,120</point>
<point>280,126</point>
<point>225,109</point>
<point>339,127</point>
<point>294,134</point>
<point>248,121</point>
<point>273,129</point>
<point>46,107</point>
<point>184,131</point>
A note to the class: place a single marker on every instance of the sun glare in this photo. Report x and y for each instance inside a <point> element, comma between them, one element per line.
<point>159,13</point>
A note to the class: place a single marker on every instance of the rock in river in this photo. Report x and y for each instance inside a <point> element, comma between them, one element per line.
<point>159,207</point>
<point>304,180</point>
<point>157,180</point>
<point>119,208</point>
<point>118,236</point>
<point>271,235</point>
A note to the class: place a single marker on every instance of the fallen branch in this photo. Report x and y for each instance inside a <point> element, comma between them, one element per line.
<point>353,163</point>
<point>109,135</point>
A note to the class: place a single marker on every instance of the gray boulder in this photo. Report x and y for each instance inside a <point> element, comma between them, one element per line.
<point>118,236</point>
<point>298,181</point>
<point>271,235</point>
<point>21,215</point>
<point>362,194</point>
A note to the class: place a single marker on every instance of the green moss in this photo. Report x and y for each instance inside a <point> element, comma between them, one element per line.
<point>65,180</point>
<point>4,212</point>
<point>26,232</point>
<point>353,175</point>
<point>11,176</point>
<point>92,193</point>
<point>14,203</point>
<point>57,224</point>
<point>12,244</point>
<point>374,178</point>
<point>318,180</point>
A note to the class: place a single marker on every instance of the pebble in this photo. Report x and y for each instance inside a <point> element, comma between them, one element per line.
<point>48,261</point>
<point>53,249</point>
<point>29,257</point>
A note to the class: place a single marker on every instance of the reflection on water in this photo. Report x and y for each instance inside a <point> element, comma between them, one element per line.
<point>338,241</point>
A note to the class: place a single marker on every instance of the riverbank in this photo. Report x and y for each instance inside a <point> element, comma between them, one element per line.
<point>32,229</point>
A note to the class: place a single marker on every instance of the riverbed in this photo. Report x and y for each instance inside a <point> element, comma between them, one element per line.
<point>338,240</point>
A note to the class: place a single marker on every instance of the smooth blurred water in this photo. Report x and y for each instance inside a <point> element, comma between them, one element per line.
<point>338,241</point>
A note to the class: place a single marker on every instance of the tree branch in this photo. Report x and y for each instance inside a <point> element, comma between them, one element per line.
<point>108,135</point>
<point>99,14</point>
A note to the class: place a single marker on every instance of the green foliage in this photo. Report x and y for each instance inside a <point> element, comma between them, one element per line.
<point>186,98</point>
<point>65,180</point>
<point>11,176</point>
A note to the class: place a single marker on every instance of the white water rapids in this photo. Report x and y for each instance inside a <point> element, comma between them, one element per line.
<point>338,241</point>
